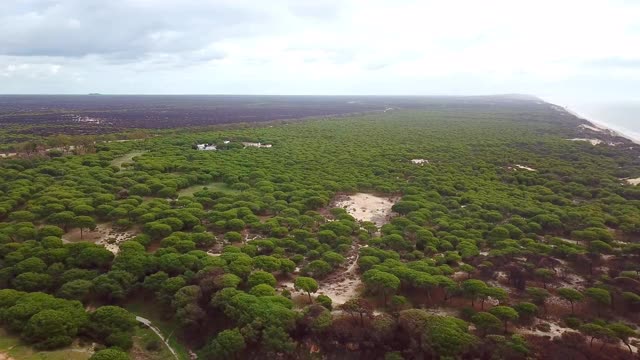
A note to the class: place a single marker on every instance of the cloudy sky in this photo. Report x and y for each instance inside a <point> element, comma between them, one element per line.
<point>560,50</point>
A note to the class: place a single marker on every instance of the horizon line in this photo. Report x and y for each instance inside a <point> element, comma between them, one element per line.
<point>258,94</point>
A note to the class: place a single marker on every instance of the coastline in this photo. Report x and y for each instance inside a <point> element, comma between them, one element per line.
<point>613,129</point>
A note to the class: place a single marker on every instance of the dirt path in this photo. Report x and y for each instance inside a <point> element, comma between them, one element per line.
<point>127,158</point>
<point>150,325</point>
<point>344,285</point>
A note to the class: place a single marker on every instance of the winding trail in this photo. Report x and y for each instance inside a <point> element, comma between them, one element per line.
<point>150,325</point>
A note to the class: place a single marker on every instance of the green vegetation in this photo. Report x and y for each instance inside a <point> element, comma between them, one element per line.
<point>12,346</point>
<point>232,246</point>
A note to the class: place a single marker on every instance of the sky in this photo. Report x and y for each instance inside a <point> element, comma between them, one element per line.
<point>564,51</point>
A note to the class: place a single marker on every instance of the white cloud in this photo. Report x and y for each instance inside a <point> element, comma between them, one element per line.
<point>558,49</point>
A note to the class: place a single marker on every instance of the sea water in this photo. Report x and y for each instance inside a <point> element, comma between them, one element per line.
<point>623,117</point>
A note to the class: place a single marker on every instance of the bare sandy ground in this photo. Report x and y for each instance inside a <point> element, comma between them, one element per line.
<point>592,128</point>
<point>216,249</point>
<point>591,141</point>
<point>633,181</point>
<point>341,286</point>
<point>345,283</point>
<point>258,145</point>
<point>525,168</point>
<point>367,207</point>
<point>104,235</point>
<point>420,161</point>
<point>555,329</point>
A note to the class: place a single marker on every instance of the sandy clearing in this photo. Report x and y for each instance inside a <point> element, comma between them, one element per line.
<point>555,330</point>
<point>258,145</point>
<point>420,161</point>
<point>206,147</point>
<point>345,283</point>
<point>340,286</point>
<point>591,141</point>
<point>633,181</point>
<point>525,168</point>
<point>216,249</point>
<point>5,356</point>
<point>104,235</point>
<point>440,311</point>
<point>367,207</point>
<point>573,281</point>
<point>592,128</point>
<point>494,283</point>
<point>250,237</point>
<point>340,292</point>
<point>501,276</point>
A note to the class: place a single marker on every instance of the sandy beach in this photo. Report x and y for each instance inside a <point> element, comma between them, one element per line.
<point>614,129</point>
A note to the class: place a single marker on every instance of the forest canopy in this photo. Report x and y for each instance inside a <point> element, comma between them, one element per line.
<point>509,242</point>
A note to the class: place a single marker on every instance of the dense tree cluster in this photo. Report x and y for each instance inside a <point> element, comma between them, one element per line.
<point>474,234</point>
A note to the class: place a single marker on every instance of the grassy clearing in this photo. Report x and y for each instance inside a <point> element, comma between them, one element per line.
<point>119,161</point>
<point>13,349</point>
<point>152,312</point>
<point>215,186</point>
<point>147,346</point>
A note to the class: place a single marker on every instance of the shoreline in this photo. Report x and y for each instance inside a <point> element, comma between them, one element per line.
<point>613,129</point>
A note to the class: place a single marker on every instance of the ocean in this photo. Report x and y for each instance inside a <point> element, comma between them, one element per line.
<point>623,117</point>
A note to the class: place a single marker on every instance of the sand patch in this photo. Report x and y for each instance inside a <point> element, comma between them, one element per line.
<point>342,290</point>
<point>206,147</point>
<point>367,207</point>
<point>216,249</point>
<point>104,235</point>
<point>591,141</point>
<point>420,161</point>
<point>345,288</point>
<point>258,145</point>
<point>440,311</point>
<point>592,128</point>
<point>345,283</point>
<point>341,286</point>
<point>525,168</point>
<point>539,329</point>
<point>573,281</point>
<point>494,283</point>
<point>633,181</point>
